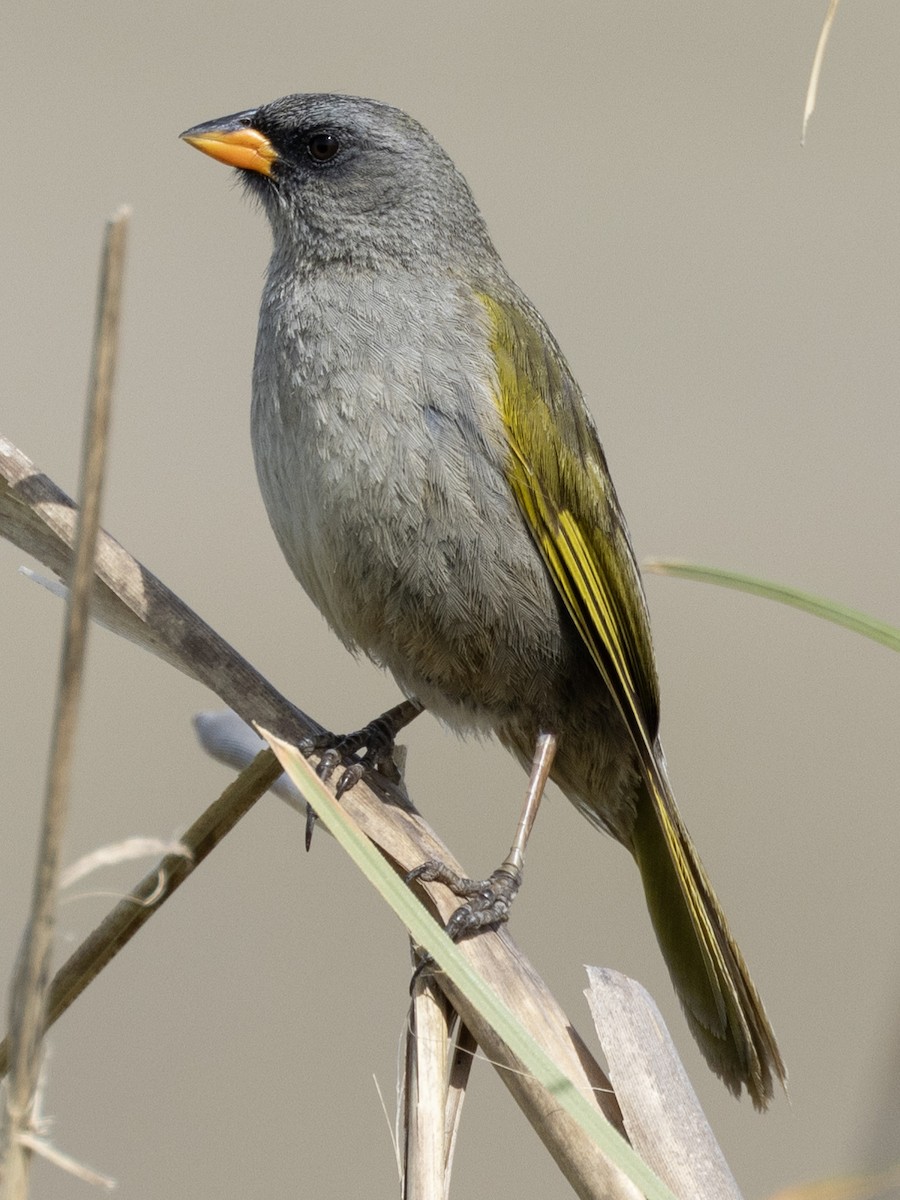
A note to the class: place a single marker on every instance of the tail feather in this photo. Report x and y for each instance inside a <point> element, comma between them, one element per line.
<point>721,1004</point>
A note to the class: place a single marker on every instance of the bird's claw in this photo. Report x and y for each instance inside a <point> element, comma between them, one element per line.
<point>488,901</point>
<point>376,739</point>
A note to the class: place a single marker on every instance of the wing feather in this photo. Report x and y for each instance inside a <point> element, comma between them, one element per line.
<point>582,538</point>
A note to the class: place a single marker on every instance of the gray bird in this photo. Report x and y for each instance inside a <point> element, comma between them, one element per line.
<point>437,486</point>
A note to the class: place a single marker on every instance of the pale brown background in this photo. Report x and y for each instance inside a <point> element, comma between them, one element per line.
<point>730,305</point>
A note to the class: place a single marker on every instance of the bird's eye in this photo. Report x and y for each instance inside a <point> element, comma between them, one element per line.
<point>322,147</point>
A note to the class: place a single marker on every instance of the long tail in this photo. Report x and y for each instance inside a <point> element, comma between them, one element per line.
<point>721,1004</point>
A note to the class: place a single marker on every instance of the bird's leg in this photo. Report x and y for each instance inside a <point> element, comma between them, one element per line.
<point>488,901</point>
<point>378,739</point>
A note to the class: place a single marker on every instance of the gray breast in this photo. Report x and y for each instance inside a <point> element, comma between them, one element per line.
<point>380,454</point>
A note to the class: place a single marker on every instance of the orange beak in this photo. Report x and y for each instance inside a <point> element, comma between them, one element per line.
<point>233,141</point>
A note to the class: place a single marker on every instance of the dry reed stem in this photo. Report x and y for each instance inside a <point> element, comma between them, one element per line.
<point>463,1057</point>
<point>437,1061</point>
<point>819,57</point>
<point>662,1114</point>
<point>28,993</point>
<point>425,1077</point>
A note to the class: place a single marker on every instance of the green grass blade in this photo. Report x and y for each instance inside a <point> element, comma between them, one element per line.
<point>850,618</point>
<point>429,934</point>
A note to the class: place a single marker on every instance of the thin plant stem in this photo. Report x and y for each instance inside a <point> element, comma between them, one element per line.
<point>28,993</point>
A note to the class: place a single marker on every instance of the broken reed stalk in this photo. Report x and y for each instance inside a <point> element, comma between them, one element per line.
<point>438,1053</point>
<point>425,1076</point>
<point>28,993</point>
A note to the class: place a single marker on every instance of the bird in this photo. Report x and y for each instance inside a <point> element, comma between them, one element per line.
<point>437,485</point>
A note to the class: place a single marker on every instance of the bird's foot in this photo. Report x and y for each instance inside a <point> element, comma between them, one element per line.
<point>370,748</point>
<point>376,738</point>
<point>488,901</point>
